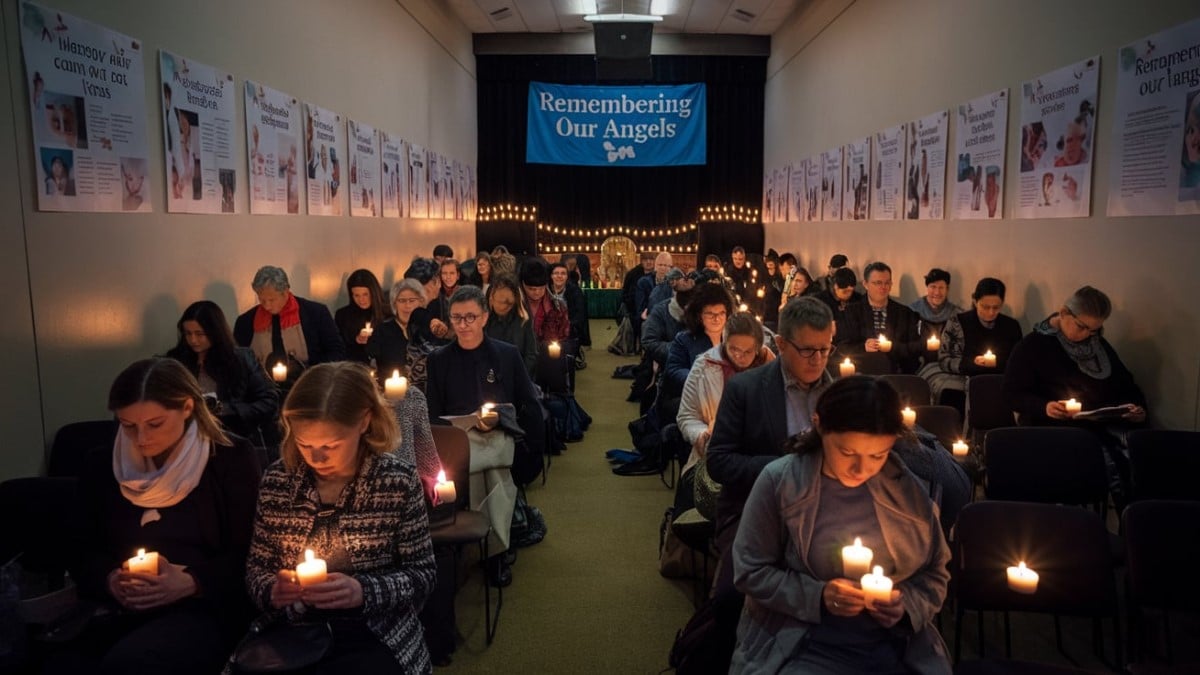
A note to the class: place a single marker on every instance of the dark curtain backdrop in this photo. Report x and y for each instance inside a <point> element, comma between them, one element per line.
<point>644,197</point>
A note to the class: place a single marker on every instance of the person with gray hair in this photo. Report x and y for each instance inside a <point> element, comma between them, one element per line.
<point>285,328</point>
<point>388,344</point>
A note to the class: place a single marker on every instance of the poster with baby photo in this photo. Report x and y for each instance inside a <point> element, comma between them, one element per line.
<point>198,136</point>
<point>87,106</point>
<point>887,181</point>
<point>925,167</point>
<point>768,195</point>
<point>273,151</point>
<point>394,171</point>
<point>856,179</point>
<point>797,210</point>
<point>979,143</point>
<point>831,185</point>
<point>1058,122</point>
<point>366,185</point>
<point>418,182</point>
<point>812,188</point>
<point>328,161</point>
<point>1155,140</point>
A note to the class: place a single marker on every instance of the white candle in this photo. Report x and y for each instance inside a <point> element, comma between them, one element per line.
<point>143,562</point>
<point>444,489</point>
<point>743,307</point>
<point>875,586</point>
<point>554,350</point>
<point>761,292</point>
<point>279,372</point>
<point>311,571</point>
<point>910,416</point>
<point>1022,579</point>
<point>989,359</point>
<point>960,448</point>
<point>856,559</point>
<point>487,414</point>
<point>395,387</point>
<point>933,343</point>
<point>846,368</point>
<point>367,331</point>
<point>885,345</point>
<point>1072,406</point>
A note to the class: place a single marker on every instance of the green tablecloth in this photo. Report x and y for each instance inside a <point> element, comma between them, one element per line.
<point>603,303</point>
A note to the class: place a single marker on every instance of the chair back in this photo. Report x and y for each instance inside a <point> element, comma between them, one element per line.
<point>869,363</point>
<point>913,389</point>
<point>986,408</point>
<point>1164,464</point>
<point>1049,465</point>
<point>72,443</point>
<point>942,421</point>
<point>454,449</point>
<point>553,374</point>
<point>1162,537</point>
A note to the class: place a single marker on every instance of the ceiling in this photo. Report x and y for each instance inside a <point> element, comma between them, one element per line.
<point>739,17</point>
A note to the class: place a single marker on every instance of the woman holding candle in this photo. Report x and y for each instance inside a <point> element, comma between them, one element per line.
<point>389,340</point>
<point>340,491</point>
<point>966,340</point>
<point>550,317</point>
<point>509,322</point>
<point>935,309</point>
<point>562,287</point>
<point>365,312</point>
<point>246,401</point>
<point>176,486</point>
<point>843,482</point>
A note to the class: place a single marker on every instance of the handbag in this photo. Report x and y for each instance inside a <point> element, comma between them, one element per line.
<point>282,647</point>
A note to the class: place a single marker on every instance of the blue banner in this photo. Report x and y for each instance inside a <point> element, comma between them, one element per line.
<point>651,125</point>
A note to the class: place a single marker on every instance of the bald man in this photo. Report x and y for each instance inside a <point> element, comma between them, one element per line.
<point>646,285</point>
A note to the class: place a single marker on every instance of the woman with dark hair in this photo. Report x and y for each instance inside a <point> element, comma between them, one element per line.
<point>178,488</point>
<point>448,277</point>
<point>804,612</point>
<point>484,272</point>
<point>235,387</point>
<point>773,290</point>
<point>799,284</point>
<point>340,491</point>
<point>966,340</point>
<point>366,312</point>
<point>561,286</point>
<point>508,321</point>
<point>704,326</point>
<point>427,273</point>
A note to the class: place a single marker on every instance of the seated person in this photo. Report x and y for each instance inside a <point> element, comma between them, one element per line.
<point>448,277</point>
<point>799,283</point>
<point>340,491</point>
<point>551,321</point>
<point>841,294</point>
<point>366,307</point>
<point>879,315</point>
<point>416,439</point>
<point>965,340</point>
<point>177,485</point>
<point>561,286</point>
<point>426,272</point>
<point>509,322</point>
<point>663,323</point>
<point>234,385</point>
<point>287,328</point>
<point>648,284</point>
<point>842,481</point>
<point>389,343</point>
<point>704,321</point>
<point>934,310</point>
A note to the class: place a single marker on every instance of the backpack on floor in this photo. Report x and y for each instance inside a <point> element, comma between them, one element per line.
<point>624,343</point>
<point>698,649</point>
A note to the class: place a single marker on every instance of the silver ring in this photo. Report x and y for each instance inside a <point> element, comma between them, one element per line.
<point>835,603</point>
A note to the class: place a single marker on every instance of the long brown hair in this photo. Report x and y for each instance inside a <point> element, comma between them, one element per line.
<point>341,393</point>
<point>168,383</point>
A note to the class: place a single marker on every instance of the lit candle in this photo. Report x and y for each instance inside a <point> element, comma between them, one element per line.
<point>885,345</point>
<point>554,350</point>
<point>933,343</point>
<point>1073,406</point>
<point>143,562</point>
<point>444,489</point>
<point>876,586</point>
<point>989,359</point>
<point>311,571</point>
<point>1022,579</point>
<point>960,448</point>
<point>367,331</point>
<point>846,368</point>
<point>856,559</point>
<point>910,416</point>
<point>761,292</point>
<point>487,414</point>
<point>395,387</point>
<point>279,372</point>
<point>742,307</point>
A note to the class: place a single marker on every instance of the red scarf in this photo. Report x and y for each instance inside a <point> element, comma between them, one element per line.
<point>288,316</point>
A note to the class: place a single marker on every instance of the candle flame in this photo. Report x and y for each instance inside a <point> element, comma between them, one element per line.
<point>441,478</point>
<point>847,362</point>
<point>368,325</point>
<point>857,541</point>
<point>141,553</point>
<point>988,353</point>
<point>877,571</point>
<point>1021,566</point>
<point>396,374</point>
<point>309,555</point>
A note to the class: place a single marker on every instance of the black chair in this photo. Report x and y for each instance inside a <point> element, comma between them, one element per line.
<point>913,389</point>
<point>1164,464</point>
<point>942,421</point>
<point>986,408</point>
<point>72,443</point>
<point>869,363</point>
<point>1011,667</point>
<point>468,527</point>
<point>1049,465</point>
<point>1067,546</point>
<point>1162,546</point>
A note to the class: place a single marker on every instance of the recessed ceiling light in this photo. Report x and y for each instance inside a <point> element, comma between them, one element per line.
<point>622,17</point>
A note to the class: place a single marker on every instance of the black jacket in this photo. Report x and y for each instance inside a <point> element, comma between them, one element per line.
<point>320,333</point>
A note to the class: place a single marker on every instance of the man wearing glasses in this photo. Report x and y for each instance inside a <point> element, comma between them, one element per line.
<point>881,315</point>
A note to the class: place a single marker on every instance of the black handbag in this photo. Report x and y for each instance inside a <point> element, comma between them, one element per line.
<point>282,647</point>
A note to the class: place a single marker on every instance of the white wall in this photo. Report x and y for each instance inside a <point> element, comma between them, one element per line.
<point>842,69</point>
<point>86,294</point>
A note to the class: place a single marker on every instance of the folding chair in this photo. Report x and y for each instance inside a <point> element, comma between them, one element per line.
<point>73,441</point>
<point>468,527</point>
<point>1048,465</point>
<point>1164,464</point>
<point>1162,541</point>
<point>985,406</point>
<point>913,389</point>
<point>870,363</point>
<point>1068,547</point>
<point>942,421</point>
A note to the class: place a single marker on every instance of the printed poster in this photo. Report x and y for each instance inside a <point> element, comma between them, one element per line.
<point>395,181</point>
<point>88,111</point>
<point>1058,119</point>
<point>856,184</point>
<point>1156,137</point>
<point>198,135</point>
<point>366,185</point>
<point>979,144</point>
<point>768,195</point>
<point>458,187</point>
<point>472,193</point>
<point>325,132</point>
<point>831,177</point>
<point>274,152</point>
<point>437,205</point>
<point>888,180</point>
<point>418,182</point>
<point>813,171</point>
<point>779,194</point>
<point>449,189</point>
<point>926,166</point>
<point>797,210</point>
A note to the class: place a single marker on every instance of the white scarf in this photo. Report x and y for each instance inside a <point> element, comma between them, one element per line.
<point>153,488</point>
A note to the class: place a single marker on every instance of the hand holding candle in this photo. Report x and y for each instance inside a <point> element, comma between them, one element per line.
<point>366,333</point>
<point>960,448</point>
<point>395,387</point>
<point>910,417</point>
<point>933,343</point>
<point>885,345</point>
<point>279,372</point>
<point>144,562</point>
<point>488,416</point>
<point>1073,407</point>
<point>876,586</point>
<point>1022,579</point>
<point>989,359</point>
<point>311,571</point>
<point>846,368</point>
<point>856,559</point>
<point>444,490</point>
<point>554,350</point>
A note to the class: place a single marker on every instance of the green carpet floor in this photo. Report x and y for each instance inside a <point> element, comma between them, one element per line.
<point>587,599</point>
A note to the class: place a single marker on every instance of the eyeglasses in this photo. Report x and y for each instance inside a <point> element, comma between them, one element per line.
<point>741,353</point>
<point>463,319</point>
<point>713,315</point>
<point>1083,326</point>
<point>810,352</point>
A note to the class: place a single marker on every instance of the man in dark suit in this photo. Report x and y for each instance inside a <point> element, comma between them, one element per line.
<point>284,327</point>
<point>880,315</point>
